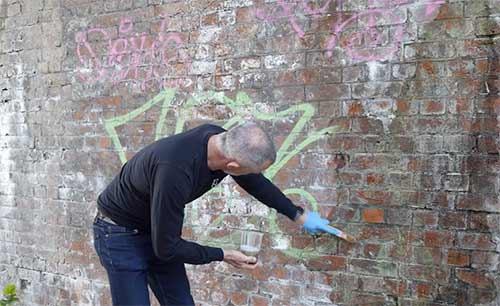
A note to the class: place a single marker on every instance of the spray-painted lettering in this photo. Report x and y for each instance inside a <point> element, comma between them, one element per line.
<point>140,58</point>
<point>370,34</point>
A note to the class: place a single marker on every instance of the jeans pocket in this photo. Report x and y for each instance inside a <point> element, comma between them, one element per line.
<point>127,250</point>
<point>102,250</point>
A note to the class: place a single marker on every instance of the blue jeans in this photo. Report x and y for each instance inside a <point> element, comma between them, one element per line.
<point>129,260</point>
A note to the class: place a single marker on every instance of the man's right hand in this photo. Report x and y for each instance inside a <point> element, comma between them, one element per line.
<point>239,260</point>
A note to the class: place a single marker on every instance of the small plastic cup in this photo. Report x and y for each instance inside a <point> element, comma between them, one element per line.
<point>251,242</point>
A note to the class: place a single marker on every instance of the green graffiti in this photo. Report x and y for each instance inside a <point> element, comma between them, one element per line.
<point>240,108</point>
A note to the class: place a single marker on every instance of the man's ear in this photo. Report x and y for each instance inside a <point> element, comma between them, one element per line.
<point>233,165</point>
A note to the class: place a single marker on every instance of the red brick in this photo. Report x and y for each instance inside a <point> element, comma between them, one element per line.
<point>374,179</point>
<point>327,92</point>
<point>372,197</point>
<point>376,267</point>
<point>349,178</point>
<point>426,218</point>
<point>432,107</point>
<point>457,258</point>
<point>487,144</point>
<point>427,256</point>
<point>479,221</point>
<point>463,105</point>
<point>221,296</point>
<point>476,279</point>
<point>287,291</point>
<point>453,220</point>
<point>244,14</point>
<point>425,290</point>
<point>403,106</point>
<point>366,299</point>
<point>373,215</point>
<point>302,242</point>
<point>378,233</point>
<point>483,259</point>
<point>337,161</point>
<point>327,263</point>
<point>476,241</point>
<point>438,238</point>
<point>371,250</point>
<point>208,20</point>
<point>239,298</point>
<point>481,296</point>
<point>345,143</point>
<point>355,109</point>
<point>428,67</point>
<point>367,126</point>
<point>434,274</point>
<point>259,301</point>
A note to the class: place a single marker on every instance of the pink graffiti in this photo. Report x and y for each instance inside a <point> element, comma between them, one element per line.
<point>370,32</point>
<point>287,12</point>
<point>143,59</point>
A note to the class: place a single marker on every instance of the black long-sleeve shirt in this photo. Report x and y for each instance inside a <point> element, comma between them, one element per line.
<point>153,187</point>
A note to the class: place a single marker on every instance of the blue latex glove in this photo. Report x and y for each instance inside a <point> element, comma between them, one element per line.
<point>315,224</point>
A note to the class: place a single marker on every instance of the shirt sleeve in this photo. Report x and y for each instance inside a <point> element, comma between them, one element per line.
<point>170,187</point>
<point>266,192</point>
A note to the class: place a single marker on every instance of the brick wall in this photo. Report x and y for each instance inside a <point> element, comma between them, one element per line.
<point>385,113</point>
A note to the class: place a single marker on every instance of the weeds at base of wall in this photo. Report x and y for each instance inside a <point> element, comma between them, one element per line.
<point>9,295</point>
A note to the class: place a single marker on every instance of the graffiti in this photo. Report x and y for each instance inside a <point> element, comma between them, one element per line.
<point>241,107</point>
<point>142,59</point>
<point>370,33</point>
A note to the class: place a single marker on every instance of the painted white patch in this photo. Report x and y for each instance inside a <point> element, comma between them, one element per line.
<point>202,52</point>
<point>280,243</point>
<point>228,82</point>
<point>80,177</point>
<point>263,108</point>
<point>208,34</point>
<point>228,16</point>
<point>373,69</point>
<point>81,290</point>
<point>237,206</point>
<point>10,123</point>
<point>203,67</point>
<point>250,63</point>
<point>381,110</point>
<point>259,209</point>
<point>274,61</point>
<point>238,3</point>
<point>203,220</point>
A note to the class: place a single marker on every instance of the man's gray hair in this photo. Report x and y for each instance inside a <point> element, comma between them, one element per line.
<point>249,144</point>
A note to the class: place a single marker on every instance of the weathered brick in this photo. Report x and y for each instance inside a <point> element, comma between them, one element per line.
<point>476,241</point>
<point>327,92</point>
<point>435,274</point>
<point>457,258</point>
<point>475,278</point>
<point>479,222</point>
<point>483,259</point>
<point>373,267</point>
<point>432,107</point>
<point>373,215</point>
<point>427,256</point>
<point>429,144</point>
<point>452,220</point>
<point>425,218</point>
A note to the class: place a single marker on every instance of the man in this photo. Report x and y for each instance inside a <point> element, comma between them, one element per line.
<point>137,231</point>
